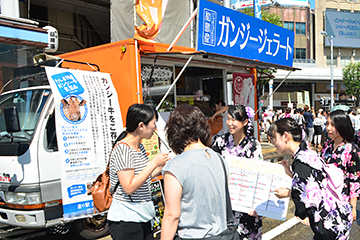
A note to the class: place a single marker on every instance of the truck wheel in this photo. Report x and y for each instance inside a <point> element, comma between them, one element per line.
<point>91,228</point>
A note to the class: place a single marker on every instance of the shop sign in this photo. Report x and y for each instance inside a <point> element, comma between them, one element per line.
<point>227,32</point>
<point>244,89</point>
<point>344,27</point>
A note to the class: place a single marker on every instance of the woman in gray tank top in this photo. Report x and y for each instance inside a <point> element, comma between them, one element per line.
<point>194,180</point>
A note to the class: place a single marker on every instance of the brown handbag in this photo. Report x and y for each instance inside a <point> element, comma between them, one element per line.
<point>101,195</point>
<point>216,124</point>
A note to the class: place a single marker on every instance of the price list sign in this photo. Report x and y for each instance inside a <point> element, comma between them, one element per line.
<point>252,184</point>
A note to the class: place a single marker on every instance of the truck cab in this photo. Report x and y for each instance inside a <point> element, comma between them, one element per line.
<point>30,176</point>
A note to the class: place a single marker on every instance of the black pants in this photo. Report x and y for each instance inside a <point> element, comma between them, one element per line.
<point>130,230</point>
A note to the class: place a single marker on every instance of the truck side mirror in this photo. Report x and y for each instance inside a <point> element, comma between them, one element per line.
<point>12,119</point>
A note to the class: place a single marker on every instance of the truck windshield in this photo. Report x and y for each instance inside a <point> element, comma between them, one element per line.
<point>29,104</point>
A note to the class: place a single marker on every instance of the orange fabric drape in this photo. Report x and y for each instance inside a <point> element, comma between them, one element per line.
<point>152,13</point>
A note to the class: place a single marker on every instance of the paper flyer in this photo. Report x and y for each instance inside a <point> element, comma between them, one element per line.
<point>252,184</point>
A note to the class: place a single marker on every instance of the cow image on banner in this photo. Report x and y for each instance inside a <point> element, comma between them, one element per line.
<point>71,108</point>
<point>244,89</point>
<point>152,13</point>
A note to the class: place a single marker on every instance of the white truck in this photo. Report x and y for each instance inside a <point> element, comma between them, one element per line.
<point>30,176</point>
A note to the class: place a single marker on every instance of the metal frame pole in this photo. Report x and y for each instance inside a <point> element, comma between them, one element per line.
<point>332,72</point>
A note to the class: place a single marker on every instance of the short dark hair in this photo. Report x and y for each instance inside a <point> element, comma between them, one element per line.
<point>286,125</point>
<point>186,124</point>
<point>239,113</point>
<point>215,100</point>
<point>343,124</point>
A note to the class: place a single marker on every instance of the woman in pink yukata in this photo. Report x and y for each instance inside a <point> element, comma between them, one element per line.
<point>329,218</point>
<point>240,141</point>
<point>341,150</point>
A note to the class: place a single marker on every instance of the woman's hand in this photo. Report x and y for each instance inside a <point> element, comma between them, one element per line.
<point>282,192</point>
<point>131,183</point>
<point>161,159</point>
<point>354,213</point>
<point>353,202</point>
<point>286,166</point>
<point>253,213</point>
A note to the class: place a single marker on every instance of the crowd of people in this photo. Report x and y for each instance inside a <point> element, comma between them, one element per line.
<point>195,180</point>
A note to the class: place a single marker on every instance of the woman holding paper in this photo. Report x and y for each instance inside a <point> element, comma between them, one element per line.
<point>329,218</point>
<point>240,141</point>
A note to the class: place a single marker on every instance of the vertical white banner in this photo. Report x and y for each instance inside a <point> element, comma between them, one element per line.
<point>88,121</point>
<point>307,98</point>
<point>299,97</point>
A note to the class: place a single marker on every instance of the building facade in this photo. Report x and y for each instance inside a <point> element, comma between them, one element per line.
<point>315,73</point>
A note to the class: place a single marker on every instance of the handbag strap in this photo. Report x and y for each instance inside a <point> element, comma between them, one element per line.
<point>108,166</point>
<point>229,213</point>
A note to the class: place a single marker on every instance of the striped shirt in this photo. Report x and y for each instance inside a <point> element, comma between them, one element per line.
<point>125,157</point>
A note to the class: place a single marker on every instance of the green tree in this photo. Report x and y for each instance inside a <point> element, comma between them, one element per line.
<point>266,16</point>
<point>351,77</point>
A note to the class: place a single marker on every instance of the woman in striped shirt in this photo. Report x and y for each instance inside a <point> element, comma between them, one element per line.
<point>131,210</point>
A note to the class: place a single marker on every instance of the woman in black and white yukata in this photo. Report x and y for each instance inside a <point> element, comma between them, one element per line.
<point>240,141</point>
<point>329,217</point>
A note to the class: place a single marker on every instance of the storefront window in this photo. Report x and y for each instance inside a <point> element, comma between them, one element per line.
<point>300,28</point>
<point>300,53</point>
<point>344,61</point>
<point>328,61</point>
<point>156,82</point>
<point>14,56</point>
<point>289,25</point>
<point>196,86</point>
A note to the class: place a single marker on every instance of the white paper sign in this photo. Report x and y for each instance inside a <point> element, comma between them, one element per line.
<point>88,121</point>
<point>252,184</point>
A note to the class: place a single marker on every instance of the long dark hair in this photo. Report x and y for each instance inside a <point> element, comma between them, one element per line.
<point>136,114</point>
<point>186,124</point>
<point>239,113</point>
<point>286,125</point>
<point>343,124</point>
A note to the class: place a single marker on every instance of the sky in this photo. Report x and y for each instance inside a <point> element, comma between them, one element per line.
<point>312,4</point>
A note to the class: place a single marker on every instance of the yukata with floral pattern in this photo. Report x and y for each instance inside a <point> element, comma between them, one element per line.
<point>357,138</point>
<point>249,227</point>
<point>329,218</point>
<point>347,158</point>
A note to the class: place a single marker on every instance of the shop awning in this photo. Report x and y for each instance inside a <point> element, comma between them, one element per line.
<point>220,59</point>
<point>14,33</point>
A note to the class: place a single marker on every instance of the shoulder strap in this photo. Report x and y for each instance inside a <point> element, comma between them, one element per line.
<point>229,213</point>
<point>108,166</point>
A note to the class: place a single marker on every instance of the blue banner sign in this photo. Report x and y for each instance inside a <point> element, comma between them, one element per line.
<point>67,84</point>
<point>344,27</point>
<point>227,32</point>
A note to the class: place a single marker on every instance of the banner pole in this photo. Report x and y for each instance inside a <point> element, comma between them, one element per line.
<point>182,30</point>
<point>135,25</point>
<point>176,79</point>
